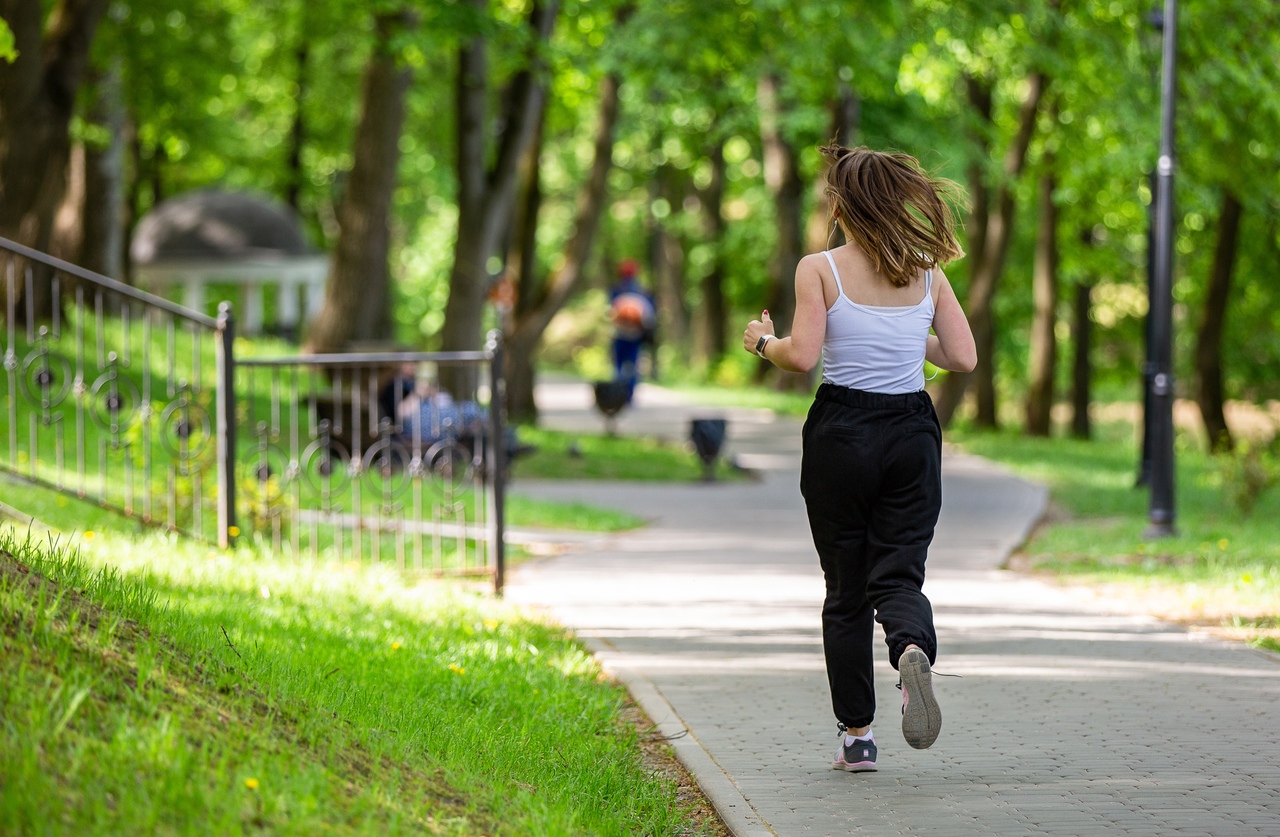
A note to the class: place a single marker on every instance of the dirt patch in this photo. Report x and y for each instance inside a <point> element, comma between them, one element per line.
<point>658,758</point>
<point>1257,422</point>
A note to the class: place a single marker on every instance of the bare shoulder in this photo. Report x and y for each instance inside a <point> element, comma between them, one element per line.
<point>814,277</point>
<point>811,272</point>
<point>812,264</point>
<point>940,283</point>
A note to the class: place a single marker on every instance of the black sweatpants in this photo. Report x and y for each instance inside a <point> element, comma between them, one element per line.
<point>872,483</point>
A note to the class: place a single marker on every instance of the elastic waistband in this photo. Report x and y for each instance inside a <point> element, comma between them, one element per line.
<point>864,400</point>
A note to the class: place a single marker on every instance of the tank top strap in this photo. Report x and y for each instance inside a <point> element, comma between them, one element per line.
<point>834,270</point>
<point>928,281</point>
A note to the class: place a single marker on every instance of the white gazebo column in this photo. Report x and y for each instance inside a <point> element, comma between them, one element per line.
<point>287,311</point>
<point>313,290</point>
<point>193,292</point>
<point>251,316</point>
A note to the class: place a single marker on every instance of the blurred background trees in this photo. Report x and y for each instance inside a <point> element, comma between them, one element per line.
<point>437,148</point>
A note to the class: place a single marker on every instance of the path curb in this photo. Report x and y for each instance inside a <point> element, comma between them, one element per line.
<point>737,813</point>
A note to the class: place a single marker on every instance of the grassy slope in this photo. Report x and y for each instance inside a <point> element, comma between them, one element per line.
<point>116,729</point>
<point>195,691</point>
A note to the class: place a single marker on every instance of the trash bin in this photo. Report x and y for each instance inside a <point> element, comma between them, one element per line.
<point>611,398</point>
<point>708,435</point>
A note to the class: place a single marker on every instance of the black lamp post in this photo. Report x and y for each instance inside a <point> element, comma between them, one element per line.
<point>1148,362</point>
<point>1161,513</point>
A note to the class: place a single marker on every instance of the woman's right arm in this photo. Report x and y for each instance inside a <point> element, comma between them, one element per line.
<point>951,345</point>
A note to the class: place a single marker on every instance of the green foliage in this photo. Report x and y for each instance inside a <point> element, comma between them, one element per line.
<point>217,88</point>
<point>1249,472</point>
<point>8,50</point>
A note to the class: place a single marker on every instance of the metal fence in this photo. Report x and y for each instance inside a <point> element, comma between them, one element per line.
<point>366,454</point>
<point>132,401</point>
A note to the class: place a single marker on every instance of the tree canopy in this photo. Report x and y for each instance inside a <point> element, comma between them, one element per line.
<point>709,115</point>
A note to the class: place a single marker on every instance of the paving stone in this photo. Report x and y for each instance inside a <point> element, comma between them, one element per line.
<point>1064,720</point>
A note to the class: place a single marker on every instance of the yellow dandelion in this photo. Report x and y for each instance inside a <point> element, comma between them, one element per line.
<point>457,669</point>
<point>1247,578</point>
<point>233,531</point>
<point>395,646</point>
<point>490,624</point>
<point>251,783</point>
<point>88,534</point>
<point>1223,544</point>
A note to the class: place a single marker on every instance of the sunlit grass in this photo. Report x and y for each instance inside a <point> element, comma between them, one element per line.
<point>583,456</point>
<point>154,683</point>
<point>1221,568</point>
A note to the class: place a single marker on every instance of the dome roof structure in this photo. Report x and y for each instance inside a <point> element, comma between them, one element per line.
<point>214,225</point>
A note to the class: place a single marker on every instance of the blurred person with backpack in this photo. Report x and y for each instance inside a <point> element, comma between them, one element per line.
<point>634,316</point>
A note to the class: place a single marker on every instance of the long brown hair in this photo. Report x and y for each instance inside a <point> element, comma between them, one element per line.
<point>898,213</point>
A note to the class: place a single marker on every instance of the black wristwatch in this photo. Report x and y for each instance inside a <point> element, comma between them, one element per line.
<point>764,339</point>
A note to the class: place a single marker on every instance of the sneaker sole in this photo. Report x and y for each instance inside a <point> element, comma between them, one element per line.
<point>922,720</point>
<point>858,767</point>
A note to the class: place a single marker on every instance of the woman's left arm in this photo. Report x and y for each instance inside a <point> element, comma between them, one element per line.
<point>801,351</point>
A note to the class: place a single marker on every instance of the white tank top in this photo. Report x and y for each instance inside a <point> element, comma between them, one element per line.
<point>876,348</point>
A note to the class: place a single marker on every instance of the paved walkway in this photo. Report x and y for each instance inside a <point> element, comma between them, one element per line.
<point>1069,718</point>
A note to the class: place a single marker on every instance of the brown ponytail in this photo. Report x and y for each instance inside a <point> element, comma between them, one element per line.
<point>897,212</point>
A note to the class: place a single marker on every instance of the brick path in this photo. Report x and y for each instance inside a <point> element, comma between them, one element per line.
<point>1068,719</point>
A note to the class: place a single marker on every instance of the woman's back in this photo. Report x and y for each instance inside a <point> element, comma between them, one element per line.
<point>876,332</point>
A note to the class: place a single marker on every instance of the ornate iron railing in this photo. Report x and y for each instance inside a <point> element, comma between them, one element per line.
<point>141,405</point>
<point>117,396</point>
<point>364,454</point>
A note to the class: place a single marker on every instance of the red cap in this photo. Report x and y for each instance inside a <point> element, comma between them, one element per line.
<point>628,267</point>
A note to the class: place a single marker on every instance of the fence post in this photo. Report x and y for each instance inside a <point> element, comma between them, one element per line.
<point>498,459</point>
<point>226,426</point>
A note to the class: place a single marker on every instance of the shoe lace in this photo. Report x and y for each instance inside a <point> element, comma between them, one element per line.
<point>935,673</point>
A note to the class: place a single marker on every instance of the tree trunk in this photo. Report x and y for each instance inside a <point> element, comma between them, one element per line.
<point>1044,292</point>
<point>1209,390</point>
<point>486,195</point>
<point>822,233</point>
<point>102,245</point>
<point>988,267</point>
<point>979,93</point>
<point>568,280</point>
<point>68,221</point>
<point>782,178</point>
<point>37,97</point>
<point>523,261</point>
<point>357,296</point>
<point>666,259</point>
<point>714,309</point>
<point>298,130</point>
<point>1081,367</point>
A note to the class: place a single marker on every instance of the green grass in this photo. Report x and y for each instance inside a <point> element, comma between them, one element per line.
<point>156,684</point>
<point>59,510</point>
<point>786,403</point>
<point>582,517</point>
<point>576,456</point>
<point>1221,568</point>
